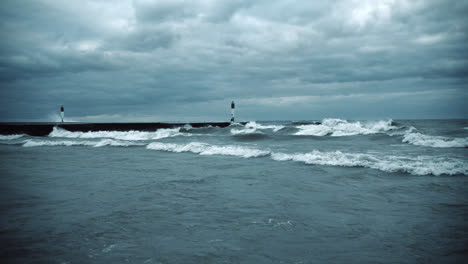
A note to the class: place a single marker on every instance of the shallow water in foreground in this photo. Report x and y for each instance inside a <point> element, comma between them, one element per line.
<point>276,192</point>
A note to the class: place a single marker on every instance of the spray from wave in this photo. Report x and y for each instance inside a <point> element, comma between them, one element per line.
<point>339,127</point>
<point>122,135</point>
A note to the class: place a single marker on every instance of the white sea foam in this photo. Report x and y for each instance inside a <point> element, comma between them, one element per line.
<point>11,137</point>
<point>339,127</point>
<point>253,124</point>
<point>108,249</point>
<point>68,143</point>
<point>207,149</point>
<point>252,127</point>
<point>245,131</point>
<point>420,165</point>
<point>122,135</point>
<point>419,139</point>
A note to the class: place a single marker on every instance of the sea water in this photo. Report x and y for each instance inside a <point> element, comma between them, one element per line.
<point>265,192</point>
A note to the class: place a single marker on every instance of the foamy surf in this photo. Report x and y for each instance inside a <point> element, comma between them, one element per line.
<point>11,137</point>
<point>339,127</point>
<point>419,139</point>
<point>421,165</point>
<point>253,127</point>
<point>121,135</point>
<point>208,149</point>
<point>68,143</point>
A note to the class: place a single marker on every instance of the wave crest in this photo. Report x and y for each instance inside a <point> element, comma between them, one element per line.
<point>420,165</point>
<point>207,149</point>
<point>416,166</point>
<point>339,127</point>
<point>252,127</point>
<point>11,137</point>
<point>68,143</point>
<point>419,139</point>
<point>121,135</point>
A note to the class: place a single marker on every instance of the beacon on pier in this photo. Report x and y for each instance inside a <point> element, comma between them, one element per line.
<point>233,107</point>
<point>62,113</point>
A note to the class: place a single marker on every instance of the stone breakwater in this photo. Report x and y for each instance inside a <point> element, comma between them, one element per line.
<point>44,129</point>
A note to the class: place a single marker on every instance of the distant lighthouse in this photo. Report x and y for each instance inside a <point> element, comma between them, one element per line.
<point>62,113</point>
<point>233,108</point>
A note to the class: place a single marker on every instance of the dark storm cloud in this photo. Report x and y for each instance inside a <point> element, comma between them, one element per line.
<point>185,60</point>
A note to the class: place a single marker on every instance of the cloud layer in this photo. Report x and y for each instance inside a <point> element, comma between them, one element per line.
<point>169,60</point>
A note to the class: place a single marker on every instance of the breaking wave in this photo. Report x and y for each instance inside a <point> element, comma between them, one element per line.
<point>413,165</point>
<point>198,130</point>
<point>68,143</point>
<point>420,165</point>
<point>11,137</point>
<point>419,139</point>
<point>339,127</point>
<point>253,127</point>
<point>207,149</point>
<point>122,135</point>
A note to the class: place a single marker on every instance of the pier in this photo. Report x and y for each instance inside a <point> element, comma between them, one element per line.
<point>44,129</point>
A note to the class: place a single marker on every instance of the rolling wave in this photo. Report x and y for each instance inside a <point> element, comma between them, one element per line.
<point>199,130</point>
<point>207,149</point>
<point>419,139</point>
<point>253,127</point>
<point>11,137</point>
<point>339,127</point>
<point>122,135</point>
<point>420,165</point>
<point>100,143</point>
<point>413,165</point>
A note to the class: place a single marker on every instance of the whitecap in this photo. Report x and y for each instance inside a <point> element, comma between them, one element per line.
<point>244,131</point>
<point>122,135</point>
<point>339,127</point>
<point>253,124</point>
<point>68,143</point>
<point>11,137</point>
<point>419,139</point>
<point>420,165</point>
<point>252,127</point>
<point>208,149</point>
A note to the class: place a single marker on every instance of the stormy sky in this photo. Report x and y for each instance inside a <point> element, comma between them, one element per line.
<point>175,60</point>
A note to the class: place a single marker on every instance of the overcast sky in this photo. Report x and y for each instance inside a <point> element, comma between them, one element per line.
<point>174,60</point>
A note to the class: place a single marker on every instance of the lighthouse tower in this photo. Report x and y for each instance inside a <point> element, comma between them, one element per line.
<point>62,113</point>
<point>233,108</point>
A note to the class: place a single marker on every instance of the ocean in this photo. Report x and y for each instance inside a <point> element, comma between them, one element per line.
<point>388,191</point>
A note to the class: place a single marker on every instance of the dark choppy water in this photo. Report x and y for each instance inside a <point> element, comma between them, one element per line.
<point>269,192</point>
